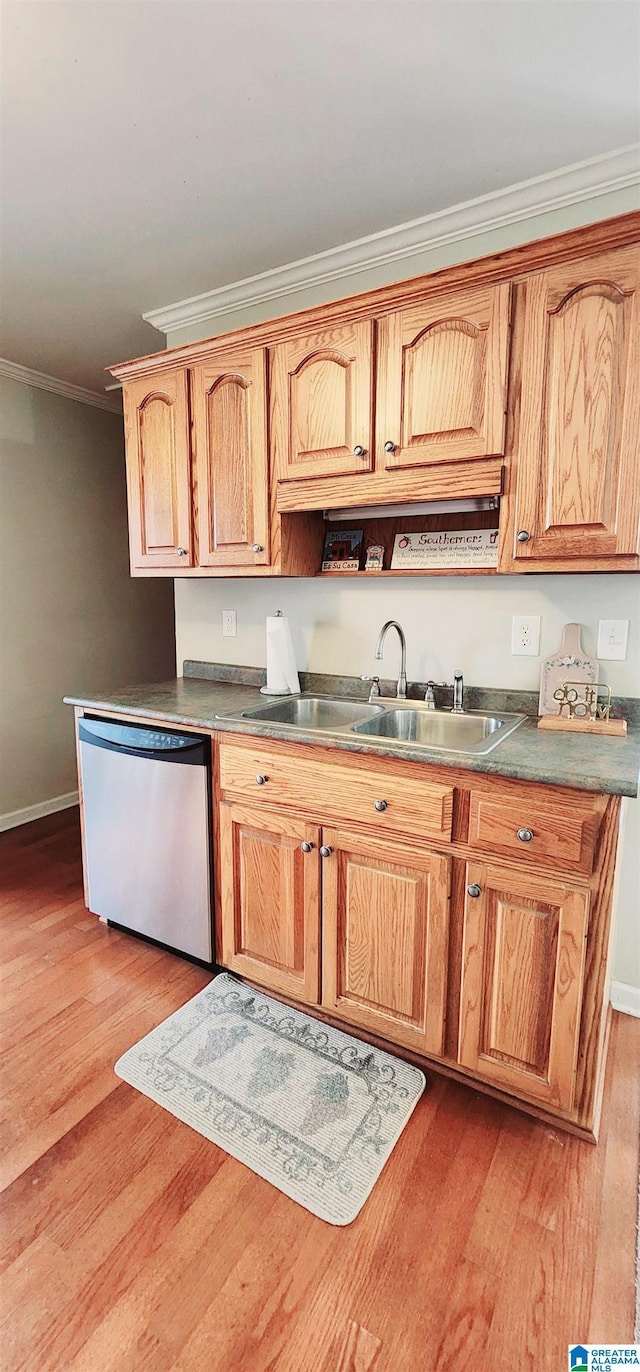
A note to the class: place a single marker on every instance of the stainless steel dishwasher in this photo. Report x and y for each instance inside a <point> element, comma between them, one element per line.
<point>147,806</point>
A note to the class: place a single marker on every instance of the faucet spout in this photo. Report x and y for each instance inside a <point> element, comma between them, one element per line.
<point>401,689</point>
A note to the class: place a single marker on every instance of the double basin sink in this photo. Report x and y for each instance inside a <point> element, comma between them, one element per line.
<point>401,722</point>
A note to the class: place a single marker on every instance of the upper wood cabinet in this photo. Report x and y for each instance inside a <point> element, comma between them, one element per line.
<point>197,465</point>
<point>522,977</point>
<point>323,383</point>
<point>442,379</point>
<point>578,462</point>
<point>517,377</point>
<point>231,476</point>
<point>156,418</point>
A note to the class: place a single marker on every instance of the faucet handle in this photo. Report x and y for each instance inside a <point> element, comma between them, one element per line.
<point>375,685</point>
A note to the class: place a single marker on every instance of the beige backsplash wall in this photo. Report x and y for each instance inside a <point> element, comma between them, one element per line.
<point>451,623</point>
<point>71,618</point>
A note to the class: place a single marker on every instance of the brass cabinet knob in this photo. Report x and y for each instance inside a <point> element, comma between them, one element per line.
<point>359,451</point>
<point>261,779</point>
<point>306,847</point>
<point>525,835</point>
<point>389,447</point>
<point>474,889</point>
<point>523,535</point>
<point>325,850</point>
<point>379,804</point>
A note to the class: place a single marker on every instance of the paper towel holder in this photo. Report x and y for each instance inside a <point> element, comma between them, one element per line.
<point>274,690</point>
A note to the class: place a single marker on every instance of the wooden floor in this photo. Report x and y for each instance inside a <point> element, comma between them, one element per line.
<point>128,1242</point>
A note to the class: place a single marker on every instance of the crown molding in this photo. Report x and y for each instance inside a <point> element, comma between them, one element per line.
<point>14,371</point>
<point>568,186</point>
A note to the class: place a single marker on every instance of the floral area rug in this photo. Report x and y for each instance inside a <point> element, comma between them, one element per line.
<point>312,1110</point>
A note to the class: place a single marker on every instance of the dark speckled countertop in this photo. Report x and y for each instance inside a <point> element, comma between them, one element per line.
<point>604,764</point>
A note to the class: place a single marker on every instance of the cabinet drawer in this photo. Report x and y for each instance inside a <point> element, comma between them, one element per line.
<point>335,792</point>
<point>562,836</point>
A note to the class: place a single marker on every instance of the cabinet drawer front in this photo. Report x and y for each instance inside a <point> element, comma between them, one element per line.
<point>562,837</point>
<point>336,792</point>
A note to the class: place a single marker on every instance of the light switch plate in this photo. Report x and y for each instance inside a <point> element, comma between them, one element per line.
<point>525,635</point>
<point>612,639</point>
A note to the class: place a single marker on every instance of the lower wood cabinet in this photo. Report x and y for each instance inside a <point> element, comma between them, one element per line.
<point>434,934</point>
<point>270,899</point>
<point>522,979</point>
<point>385,915</point>
<point>383,910</point>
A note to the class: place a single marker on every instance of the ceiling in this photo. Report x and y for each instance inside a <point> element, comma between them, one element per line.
<point>158,149</point>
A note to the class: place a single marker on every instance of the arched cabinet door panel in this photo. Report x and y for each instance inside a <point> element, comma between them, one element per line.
<point>578,473</point>
<point>231,461</point>
<point>156,416</point>
<point>442,379</point>
<point>323,401</point>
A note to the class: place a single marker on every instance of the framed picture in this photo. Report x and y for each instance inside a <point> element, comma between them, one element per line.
<point>342,550</point>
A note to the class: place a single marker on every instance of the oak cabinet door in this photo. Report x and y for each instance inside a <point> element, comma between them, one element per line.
<point>323,384</point>
<point>156,416</point>
<point>442,379</point>
<point>578,475</point>
<point>270,899</point>
<point>522,975</point>
<point>231,459</point>
<point>385,913</point>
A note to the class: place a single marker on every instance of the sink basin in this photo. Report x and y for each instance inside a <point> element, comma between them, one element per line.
<point>470,732</point>
<point>313,712</point>
<point>406,722</point>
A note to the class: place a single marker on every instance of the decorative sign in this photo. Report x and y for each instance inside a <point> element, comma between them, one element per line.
<point>446,548</point>
<point>342,550</point>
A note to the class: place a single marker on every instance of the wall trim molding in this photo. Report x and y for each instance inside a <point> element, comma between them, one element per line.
<point>43,807</point>
<point>625,998</point>
<point>527,199</point>
<point>14,371</point>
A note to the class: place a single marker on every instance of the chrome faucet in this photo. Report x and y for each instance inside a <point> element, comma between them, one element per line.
<point>401,689</point>
<point>458,694</point>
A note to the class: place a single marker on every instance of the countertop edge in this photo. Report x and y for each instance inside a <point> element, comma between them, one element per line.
<point>487,764</point>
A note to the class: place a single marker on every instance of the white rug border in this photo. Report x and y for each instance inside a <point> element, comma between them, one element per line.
<point>286,1186</point>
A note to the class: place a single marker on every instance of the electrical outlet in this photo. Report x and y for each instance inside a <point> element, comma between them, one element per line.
<point>525,635</point>
<point>229,624</point>
<point>612,639</point>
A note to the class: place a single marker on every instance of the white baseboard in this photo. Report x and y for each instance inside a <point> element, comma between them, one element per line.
<point>44,807</point>
<point>625,998</point>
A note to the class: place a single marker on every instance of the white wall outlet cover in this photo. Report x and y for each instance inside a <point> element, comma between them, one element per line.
<point>612,639</point>
<point>525,635</point>
<point>229,624</point>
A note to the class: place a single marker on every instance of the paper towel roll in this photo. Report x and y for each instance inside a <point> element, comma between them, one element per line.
<point>282,674</point>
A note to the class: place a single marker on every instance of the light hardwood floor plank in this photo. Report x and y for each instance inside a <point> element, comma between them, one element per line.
<point>128,1243</point>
